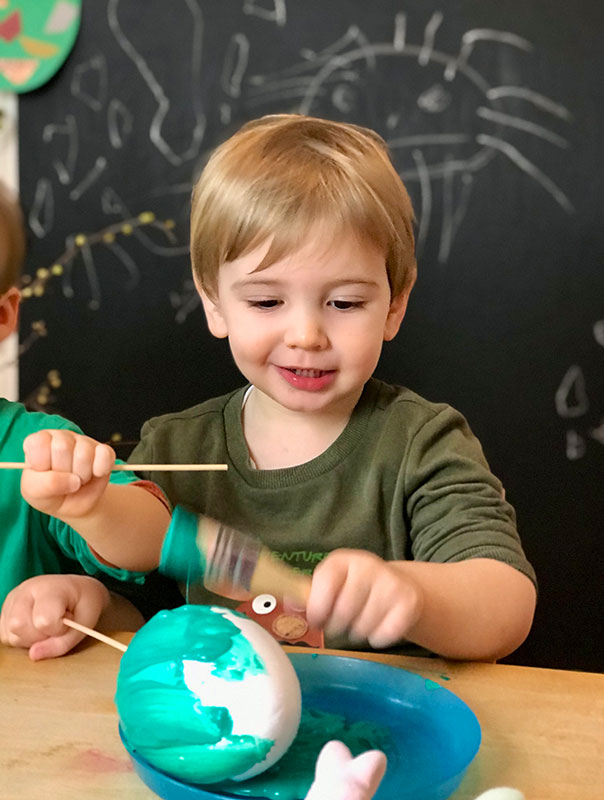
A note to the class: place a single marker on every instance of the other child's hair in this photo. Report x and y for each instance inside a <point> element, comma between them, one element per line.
<point>12,239</point>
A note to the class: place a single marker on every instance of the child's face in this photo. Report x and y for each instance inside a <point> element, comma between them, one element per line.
<point>308,330</point>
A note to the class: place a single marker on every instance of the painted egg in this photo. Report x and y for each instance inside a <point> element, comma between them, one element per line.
<point>205,694</point>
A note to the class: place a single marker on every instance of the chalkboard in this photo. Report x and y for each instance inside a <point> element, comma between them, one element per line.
<point>494,117</point>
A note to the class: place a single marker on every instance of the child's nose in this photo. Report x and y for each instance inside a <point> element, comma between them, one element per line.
<point>305,330</point>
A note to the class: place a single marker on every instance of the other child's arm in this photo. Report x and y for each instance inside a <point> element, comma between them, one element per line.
<point>68,478</point>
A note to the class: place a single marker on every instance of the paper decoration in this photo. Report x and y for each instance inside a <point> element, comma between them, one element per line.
<point>36,36</point>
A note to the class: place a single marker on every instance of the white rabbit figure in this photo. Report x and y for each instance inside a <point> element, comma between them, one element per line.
<point>339,776</point>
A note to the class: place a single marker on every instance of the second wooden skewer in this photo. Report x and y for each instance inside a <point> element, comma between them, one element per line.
<point>139,467</point>
<point>95,634</point>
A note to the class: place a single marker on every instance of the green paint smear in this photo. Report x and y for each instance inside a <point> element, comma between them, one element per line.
<point>162,719</point>
<point>290,778</point>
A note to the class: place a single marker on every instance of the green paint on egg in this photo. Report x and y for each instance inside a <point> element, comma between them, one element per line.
<point>291,777</point>
<point>181,730</point>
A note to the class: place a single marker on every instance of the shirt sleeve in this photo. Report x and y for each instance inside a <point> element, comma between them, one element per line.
<point>74,546</point>
<point>455,506</point>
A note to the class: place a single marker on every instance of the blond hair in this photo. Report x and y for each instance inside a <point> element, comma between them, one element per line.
<point>12,239</point>
<point>281,175</point>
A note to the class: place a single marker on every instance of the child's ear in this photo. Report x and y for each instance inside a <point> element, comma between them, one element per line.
<point>9,312</point>
<point>398,307</point>
<point>216,321</point>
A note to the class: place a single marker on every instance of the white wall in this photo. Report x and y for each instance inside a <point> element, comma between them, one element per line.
<point>9,374</point>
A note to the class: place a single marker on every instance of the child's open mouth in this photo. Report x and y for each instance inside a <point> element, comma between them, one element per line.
<point>310,380</point>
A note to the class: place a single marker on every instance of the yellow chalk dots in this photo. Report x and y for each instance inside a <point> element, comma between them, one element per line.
<point>39,327</point>
<point>42,273</point>
<point>38,291</point>
<point>54,378</point>
<point>169,224</point>
<point>127,229</point>
<point>80,239</point>
<point>43,395</point>
<point>27,292</point>
<point>57,269</point>
<point>116,437</point>
<point>109,237</point>
<point>146,217</point>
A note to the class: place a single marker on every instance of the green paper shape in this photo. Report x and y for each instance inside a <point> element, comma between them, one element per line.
<point>36,36</point>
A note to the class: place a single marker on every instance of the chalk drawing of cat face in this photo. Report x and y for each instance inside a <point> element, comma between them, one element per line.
<point>441,118</point>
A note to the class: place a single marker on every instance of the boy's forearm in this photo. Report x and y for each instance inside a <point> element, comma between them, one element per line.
<point>479,609</point>
<point>126,528</point>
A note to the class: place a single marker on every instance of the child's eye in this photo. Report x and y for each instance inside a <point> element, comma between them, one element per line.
<point>265,304</point>
<point>347,305</point>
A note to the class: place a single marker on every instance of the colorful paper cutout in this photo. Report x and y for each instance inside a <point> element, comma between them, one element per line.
<point>10,27</point>
<point>286,626</point>
<point>35,39</point>
<point>17,71</point>
<point>37,48</point>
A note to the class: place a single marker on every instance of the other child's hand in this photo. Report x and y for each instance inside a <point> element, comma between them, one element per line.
<point>68,472</point>
<point>32,613</point>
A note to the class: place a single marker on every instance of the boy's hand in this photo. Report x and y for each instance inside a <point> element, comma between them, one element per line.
<point>32,614</point>
<point>359,593</point>
<point>339,776</point>
<point>67,473</point>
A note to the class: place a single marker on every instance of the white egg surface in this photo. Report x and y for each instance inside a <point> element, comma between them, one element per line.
<point>206,694</point>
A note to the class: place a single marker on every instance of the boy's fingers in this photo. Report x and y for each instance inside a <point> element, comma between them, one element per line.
<point>18,629</point>
<point>83,458</point>
<point>47,614</point>
<point>55,646</point>
<point>104,459</point>
<point>36,448</point>
<point>45,485</point>
<point>62,446</point>
<point>328,579</point>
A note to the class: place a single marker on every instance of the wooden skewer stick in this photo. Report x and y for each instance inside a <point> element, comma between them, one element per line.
<point>141,467</point>
<point>95,634</point>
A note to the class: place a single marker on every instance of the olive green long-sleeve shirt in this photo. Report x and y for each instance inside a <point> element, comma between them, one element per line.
<point>406,479</point>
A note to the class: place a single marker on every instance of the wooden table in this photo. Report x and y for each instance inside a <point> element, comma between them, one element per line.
<point>543,730</point>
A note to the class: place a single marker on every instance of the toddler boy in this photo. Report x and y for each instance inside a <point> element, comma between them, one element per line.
<point>303,254</point>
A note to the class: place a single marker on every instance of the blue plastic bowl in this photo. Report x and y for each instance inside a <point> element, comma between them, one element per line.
<point>434,735</point>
